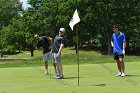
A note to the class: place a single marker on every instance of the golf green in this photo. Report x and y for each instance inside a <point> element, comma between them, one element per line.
<point>95,78</point>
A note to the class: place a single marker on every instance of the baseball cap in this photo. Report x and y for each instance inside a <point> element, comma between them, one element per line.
<point>36,35</point>
<point>62,30</point>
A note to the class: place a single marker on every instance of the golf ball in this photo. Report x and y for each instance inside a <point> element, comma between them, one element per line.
<point>65,86</point>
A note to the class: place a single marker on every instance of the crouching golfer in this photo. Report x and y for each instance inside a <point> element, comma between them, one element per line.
<point>44,43</point>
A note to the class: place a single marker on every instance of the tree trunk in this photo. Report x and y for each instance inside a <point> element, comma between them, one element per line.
<point>1,54</point>
<point>32,50</point>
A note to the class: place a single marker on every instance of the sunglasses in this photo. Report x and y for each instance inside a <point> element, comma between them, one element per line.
<point>61,31</point>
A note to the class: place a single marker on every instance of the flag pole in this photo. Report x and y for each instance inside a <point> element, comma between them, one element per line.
<point>75,19</point>
<point>77,52</point>
<point>77,48</point>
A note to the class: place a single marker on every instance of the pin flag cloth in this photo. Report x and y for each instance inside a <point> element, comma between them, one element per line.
<point>75,19</point>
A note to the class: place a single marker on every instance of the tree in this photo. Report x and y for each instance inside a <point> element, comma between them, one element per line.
<point>45,17</point>
<point>8,9</point>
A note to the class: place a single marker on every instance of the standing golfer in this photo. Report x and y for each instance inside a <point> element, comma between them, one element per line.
<point>56,53</point>
<point>118,43</point>
<point>44,43</point>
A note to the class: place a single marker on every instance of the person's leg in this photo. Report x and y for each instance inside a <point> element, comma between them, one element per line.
<point>59,67</point>
<point>119,65</point>
<point>60,71</point>
<point>45,58</point>
<point>116,58</point>
<point>55,69</point>
<point>46,67</point>
<point>122,65</point>
<point>54,63</point>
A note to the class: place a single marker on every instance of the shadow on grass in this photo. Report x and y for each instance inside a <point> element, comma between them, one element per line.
<point>11,53</point>
<point>100,85</point>
<point>131,75</point>
<point>71,77</point>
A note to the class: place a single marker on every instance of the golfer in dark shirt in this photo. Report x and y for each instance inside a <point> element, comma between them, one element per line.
<point>44,43</point>
<point>56,53</point>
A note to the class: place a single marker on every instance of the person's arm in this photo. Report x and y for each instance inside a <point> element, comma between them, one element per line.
<point>39,44</point>
<point>61,47</point>
<point>112,43</point>
<point>50,42</point>
<point>124,45</point>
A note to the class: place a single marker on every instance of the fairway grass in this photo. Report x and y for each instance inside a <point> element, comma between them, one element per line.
<point>94,78</point>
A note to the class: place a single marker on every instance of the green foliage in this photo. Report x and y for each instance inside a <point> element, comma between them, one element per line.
<point>94,29</point>
<point>8,9</point>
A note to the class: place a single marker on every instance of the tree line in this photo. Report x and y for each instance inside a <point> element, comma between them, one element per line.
<point>45,17</point>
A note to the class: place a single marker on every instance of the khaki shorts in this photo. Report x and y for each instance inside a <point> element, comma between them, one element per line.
<point>46,57</point>
<point>55,58</point>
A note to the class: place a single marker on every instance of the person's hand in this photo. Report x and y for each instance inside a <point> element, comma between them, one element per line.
<point>50,47</point>
<point>51,51</point>
<point>58,54</point>
<point>112,46</point>
<point>123,51</point>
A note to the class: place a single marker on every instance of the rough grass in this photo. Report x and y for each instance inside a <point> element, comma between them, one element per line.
<point>69,57</point>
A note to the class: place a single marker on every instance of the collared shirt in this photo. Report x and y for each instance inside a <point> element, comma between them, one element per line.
<point>44,42</point>
<point>118,40</point>
<point>57,42</point>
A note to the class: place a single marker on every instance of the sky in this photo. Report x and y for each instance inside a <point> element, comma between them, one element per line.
<point>25,5</point>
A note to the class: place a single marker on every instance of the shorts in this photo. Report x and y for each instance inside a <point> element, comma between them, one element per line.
<point>116,57</point>
<point>55,58</point>
<point>46,57</point>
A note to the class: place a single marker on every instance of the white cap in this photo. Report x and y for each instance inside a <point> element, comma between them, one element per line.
<point>62,30</point>
<point>36,35</point>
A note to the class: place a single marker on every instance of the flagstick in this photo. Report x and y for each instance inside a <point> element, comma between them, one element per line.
<point>77,48</point>
<point>77,52</point>
<point>75,19</point>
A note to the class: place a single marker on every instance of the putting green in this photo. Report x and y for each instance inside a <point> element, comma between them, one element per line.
<point>95,78</point>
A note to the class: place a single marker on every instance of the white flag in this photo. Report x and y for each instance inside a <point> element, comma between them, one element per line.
<point>75,19</point>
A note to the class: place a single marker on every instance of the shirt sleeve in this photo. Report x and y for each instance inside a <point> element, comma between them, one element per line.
<point>63,41</point>
<point>112,38</point>
<point>124,39</point>
<point>39,44</point>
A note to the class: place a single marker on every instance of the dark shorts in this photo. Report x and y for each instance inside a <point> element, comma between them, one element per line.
<point>116,57</point>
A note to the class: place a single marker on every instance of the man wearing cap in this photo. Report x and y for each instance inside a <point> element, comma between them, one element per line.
<point>118,42</point>
<point>56,53</point>
<point>44,43</point>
